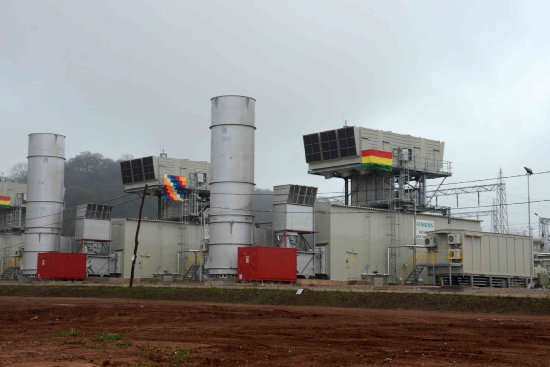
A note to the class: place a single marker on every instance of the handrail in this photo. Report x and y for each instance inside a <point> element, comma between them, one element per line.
<point>429,258</point>
<point>430,164</point>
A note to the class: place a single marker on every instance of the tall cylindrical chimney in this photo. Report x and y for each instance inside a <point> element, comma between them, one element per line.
<point>232,185</point>
<point>45,191</point>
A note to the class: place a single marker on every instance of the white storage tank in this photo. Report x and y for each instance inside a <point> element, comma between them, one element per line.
<point>232,184</point>
<point>45,192</point>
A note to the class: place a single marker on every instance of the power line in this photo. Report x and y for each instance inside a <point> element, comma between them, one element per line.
<point>489,179</point>
<point>506,204</point>
<point>353,207</point>
<point>324,193</point>
<point>74,208</point>
<point>68,221</point>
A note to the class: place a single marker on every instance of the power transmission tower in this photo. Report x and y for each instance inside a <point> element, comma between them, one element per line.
<point>500,214</point>
<point>499,211</point>
<point>544,224</point>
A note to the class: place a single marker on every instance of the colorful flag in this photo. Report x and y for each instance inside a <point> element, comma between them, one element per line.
<point>372,158</point>
<point>174,187</point>
<point>5,201</point>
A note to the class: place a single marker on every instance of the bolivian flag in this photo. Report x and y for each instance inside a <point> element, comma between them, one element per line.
<point>372,158</point>
<point>5,201</point>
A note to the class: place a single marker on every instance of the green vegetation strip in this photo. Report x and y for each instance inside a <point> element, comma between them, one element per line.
<point>384,300</point>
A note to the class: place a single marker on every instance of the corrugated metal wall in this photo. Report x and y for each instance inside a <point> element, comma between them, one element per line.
<point>158,245</point>
<point>496,254</point>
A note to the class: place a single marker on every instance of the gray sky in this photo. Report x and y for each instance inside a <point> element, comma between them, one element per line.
<point>133,77</point>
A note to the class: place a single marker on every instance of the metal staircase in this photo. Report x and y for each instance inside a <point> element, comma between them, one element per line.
<point>414,275</point>
<point>11,273</point>
<point>192,274</point>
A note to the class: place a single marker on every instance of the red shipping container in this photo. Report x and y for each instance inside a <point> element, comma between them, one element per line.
<point>60,265</point>
<point>267,263</point>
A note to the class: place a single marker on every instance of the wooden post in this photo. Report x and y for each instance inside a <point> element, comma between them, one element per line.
<point>137,237</point>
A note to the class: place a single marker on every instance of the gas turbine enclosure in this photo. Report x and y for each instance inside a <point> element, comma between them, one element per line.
<point>45,192</point>
<point>232,184</point>
<point>293,207</point>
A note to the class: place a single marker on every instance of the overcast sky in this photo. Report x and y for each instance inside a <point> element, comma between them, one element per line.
<point>135,77</point>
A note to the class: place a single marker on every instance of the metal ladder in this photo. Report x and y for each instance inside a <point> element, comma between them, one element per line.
<point>394,239</point>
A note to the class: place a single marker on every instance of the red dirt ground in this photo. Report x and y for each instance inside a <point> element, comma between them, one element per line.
<point>253,335</point>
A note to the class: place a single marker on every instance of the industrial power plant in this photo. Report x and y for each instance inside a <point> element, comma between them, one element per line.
<point>274,183</point>
<point>386,229</point>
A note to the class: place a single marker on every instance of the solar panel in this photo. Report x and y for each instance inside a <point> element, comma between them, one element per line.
<point>292,194</point>
<point>312,148</point>
<point>107,212</point>
<point>148,168</point>
<point>313,195</point>
<point>329,145</point>
<point>310,196</point>
<point>126,170</point>
<point>302,195</point>
<point>346,141</point>
<point>137,170</point>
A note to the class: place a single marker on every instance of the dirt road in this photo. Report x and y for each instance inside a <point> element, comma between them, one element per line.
<point>121,332</point>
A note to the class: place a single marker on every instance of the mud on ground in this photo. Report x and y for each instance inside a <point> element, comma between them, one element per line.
<point>125,332</point>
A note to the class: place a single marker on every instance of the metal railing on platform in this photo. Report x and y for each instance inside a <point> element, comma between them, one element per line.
<point>430,258</point>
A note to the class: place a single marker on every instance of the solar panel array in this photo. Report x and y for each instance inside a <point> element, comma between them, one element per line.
<point>328,145</point>
<point>137,170</point>
<point>302,195</point>
<point>98,211</point>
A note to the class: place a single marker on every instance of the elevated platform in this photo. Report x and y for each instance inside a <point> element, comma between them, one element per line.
<point>430,169</point>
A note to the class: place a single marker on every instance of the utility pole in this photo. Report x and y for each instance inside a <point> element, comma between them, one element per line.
<point>137,237</point>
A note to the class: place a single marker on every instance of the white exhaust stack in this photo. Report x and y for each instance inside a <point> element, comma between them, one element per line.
<point>45,189</point>
<point>232,185</point>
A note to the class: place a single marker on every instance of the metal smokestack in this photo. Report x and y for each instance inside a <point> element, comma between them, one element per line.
<point>45,189</point>
<point>232,185</point>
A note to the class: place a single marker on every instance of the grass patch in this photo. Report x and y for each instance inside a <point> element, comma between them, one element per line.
<point>154,355</point>
<point>65,333</point>
<point>179,357</point>
<point>74,337</point>
<point>149,352</point>
<point>107,336</point>
<point>107,341</point>
<point>101,347</point>
<point>379,300</point>
<point>111,345</point>
<point>122,344</point>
